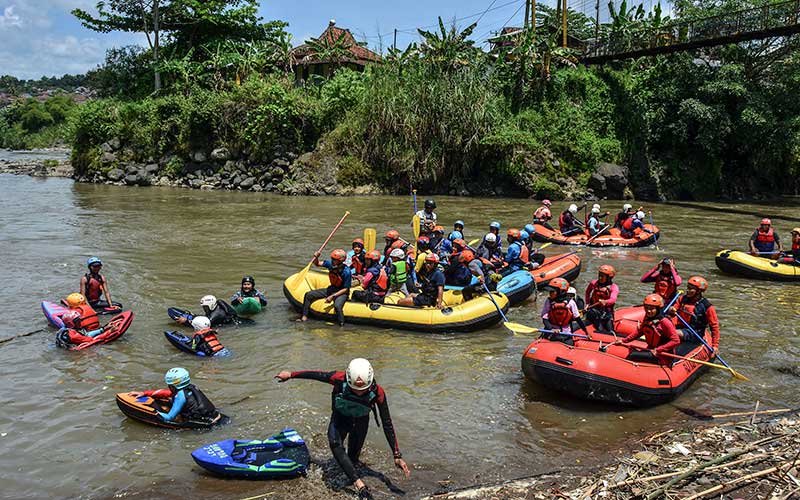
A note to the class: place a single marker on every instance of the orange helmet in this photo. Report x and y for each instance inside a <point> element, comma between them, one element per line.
<point>398,244</point>
<point>607,270</point>
<point>339,255</point>
<point>559,285</point>
<point>654,299</point>
<point>75,299</point>
<point>358,241</point>
<point>513,233</point>
<point>460,242</point>
<point>392,235</point>
<point>466,257</point>
<point>698,282</point>
<point>373,255</point>
<point>438,229</point>
<point>432,257</point>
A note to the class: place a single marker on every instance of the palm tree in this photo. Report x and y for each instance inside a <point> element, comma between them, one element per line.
<point>449,48</point>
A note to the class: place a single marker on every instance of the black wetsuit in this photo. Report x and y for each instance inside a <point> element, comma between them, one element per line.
<point>223,314</point>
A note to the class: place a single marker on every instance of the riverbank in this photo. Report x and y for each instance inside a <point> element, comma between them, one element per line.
<point>753,456</point>
<point>49,162</point>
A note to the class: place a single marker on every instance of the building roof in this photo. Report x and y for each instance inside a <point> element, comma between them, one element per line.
<point>304,54</point>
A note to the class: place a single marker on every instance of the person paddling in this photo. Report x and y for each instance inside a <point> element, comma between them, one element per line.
<point>94,285</point>
<point>542,215</point>
<point>205,338</point>
<point>341,279</point>
<point>355,394</point>
<point>187,401</point>
<point>697,311</point>
<point>631,224</point>
<point>765,240</point>
<point>601,296</point>
<point>594,224</point>
<point>568,222</point>
<point>627,212</point>
<point>666,278</point>
<point>658,331</point>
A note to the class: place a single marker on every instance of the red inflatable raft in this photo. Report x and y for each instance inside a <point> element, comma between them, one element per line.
<point>586,372</point>
<point>567,266</point>
<point>611,238</point>
<point>75,340</point>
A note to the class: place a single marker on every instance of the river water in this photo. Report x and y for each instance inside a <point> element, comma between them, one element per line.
<point>462,409</point>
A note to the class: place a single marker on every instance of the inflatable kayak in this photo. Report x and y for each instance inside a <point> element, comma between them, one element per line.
<point>517,286</point>
<point>184,343</point>
<point>566,265</point>
<point>584,371</point>
<point>53,311</point>
<point>457,316</point>
<point>756,267</point>
<point>75,340</point>
<point>144,409</point>
<point>101,307</point>
<point>248,307</point>
<point>611,238</point>
<point>281,456</point>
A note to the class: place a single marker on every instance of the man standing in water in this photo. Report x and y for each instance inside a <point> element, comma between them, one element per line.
<point>355,394</point>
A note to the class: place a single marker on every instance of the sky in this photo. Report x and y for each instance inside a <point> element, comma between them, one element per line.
<point>41,37</point>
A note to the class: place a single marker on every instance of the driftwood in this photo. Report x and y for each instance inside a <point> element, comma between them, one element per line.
<point>9,339</point>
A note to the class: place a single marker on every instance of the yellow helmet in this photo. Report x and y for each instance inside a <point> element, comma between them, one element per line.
<point>75,299</point>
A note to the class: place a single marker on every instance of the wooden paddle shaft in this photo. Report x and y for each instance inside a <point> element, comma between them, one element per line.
<point>335,228</point>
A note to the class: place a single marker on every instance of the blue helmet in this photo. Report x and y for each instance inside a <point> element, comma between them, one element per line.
<point>459,223</point>
<point>455,235</point>
<point>530,229</point>
<point>92,261</point>
<point>177,377</point>
<point>523,235</point>
<point>494,225</point>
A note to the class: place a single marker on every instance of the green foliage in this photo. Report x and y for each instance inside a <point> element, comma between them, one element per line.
<point>126,72</point>
<point>341,94</point>
<point>30,123</point>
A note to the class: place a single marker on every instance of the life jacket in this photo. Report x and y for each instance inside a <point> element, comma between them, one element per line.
<point>627,224</point>
<point>523,257</point>
<point>765,242</point>
<point>560,314</point>
<point>400,273</point>
<point>336,278</point>
<point>198,406</point>
<point>665,285</point>
<point>94,287</point>
<point>652,334</point>
<point>694,313</point>
<point>600,292</point>
<point>89,320</point>
<point>566,220</point>
<point>357,262</point>
<point>427,287</point>
<point>796,249</point>
<point>542,213</point>
<point>379,282</point>
<point>524,254</point>
<point>210,344</point>
<point>350,404</point>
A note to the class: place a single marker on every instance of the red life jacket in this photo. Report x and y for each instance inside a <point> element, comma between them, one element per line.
<point>566,221</point>
<point>651,329</point>
<point>542,213</point>
<point>379,284</point>
<point>560,314</point>
<point>600,293</point>
<point>89,320</point>
<point>665,285</point>
<point>694,313</point>
<point>524,254</point>
<point>357,263</point>
<point>94,287</point>
<point>336,279</point>
<point>627,224</point>
<point>796,248</point>
<point>768,237</point>
<point>209,336</point>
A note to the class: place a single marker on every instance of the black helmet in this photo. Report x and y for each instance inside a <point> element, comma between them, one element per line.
<point>430,204</point>
<point>249,279</point>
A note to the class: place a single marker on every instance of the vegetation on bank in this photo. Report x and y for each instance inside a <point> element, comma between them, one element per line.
<point>445,116</point>
<point>30,124</point>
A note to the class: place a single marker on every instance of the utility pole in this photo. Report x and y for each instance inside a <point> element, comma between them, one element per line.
<point>527,12</point>
<point>564,24</point>
<point>394,45</point>
<point>533,15</point>
<point>596,23</point>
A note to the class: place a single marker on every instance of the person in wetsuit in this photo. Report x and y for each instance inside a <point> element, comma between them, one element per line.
<point>355,394</point>
<point>248,290</point>
<point>188,402</point>
<point>94,286</point>
<point>205,338</point>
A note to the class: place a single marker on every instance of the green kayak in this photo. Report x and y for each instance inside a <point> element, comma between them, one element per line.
<point>249,306</point>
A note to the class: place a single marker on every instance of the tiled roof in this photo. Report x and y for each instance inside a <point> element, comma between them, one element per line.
<point>304,54</point>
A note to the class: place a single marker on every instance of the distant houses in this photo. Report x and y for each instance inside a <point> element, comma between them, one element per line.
<point>79,95</point>
<point>335,48</point>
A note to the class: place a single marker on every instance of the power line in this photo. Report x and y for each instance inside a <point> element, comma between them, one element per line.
<point>482,37</point>
<point>477,14</point>
<point>485,11</point>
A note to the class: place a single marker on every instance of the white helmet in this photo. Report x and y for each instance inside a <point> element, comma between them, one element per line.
<point>210,301</point>
<point>359,374</point>
<point>397,254</point>
<point>490,238</point>
<point>626,207</point>
<point>572,291</point>
<point>595,210</point>
<point>573,208</point>
<point>640,215</point>
<point>596,205</point>
<point>200,323</point>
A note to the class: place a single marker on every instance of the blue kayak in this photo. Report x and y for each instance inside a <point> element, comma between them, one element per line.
<point>184,343</point>
<point>176,313</point>
<point>517,286</point>
<point>53,313</point>
<point>280,456</point>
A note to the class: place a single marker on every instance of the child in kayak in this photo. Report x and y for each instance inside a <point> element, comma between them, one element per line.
<point>188,402</point>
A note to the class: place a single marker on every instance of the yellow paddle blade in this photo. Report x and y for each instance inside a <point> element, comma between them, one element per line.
<point>544,246</point>
<point>415,224</point>
<point>520,328</point>
<point>473,242</point>
<point>733,372</point>
<point>298,278</point>
<point>369,239</point>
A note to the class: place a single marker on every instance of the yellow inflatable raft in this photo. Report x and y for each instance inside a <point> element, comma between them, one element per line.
<point>753,266</point>
<point>457,316</point>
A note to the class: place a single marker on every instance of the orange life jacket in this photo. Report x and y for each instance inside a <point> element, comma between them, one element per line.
<point>89,320</point>
<point>768,237</point>
<point>336,279</point>
<point>524,254</point>
<point>94,287</point>
<point>665,285</point>
<point>560,314</point>
<point>652,333</point>
<point>209,336</point>
<point>694,313</point>
<point>600,293</point>
<point>380,283</point>
<point>542,213</point>
<point>627,224</point>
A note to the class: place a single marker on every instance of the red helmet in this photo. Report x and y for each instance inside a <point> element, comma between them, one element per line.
<point>432,257</point>
<point>460,242</point>
<point>654,299</point>
<point>546,203</point>
<point>438,229</point>
<point>466,257</point>
<point>339,255</point>
<point>514,233</point>
<point>373,255</point>
<point>559,284</point>
<point>358,241</point>
<point>607,270</point>
<point>71,319</point>
<point>698,282</point>
<point>766,221</point>
<point>392,235</point>
<point>398,244</point>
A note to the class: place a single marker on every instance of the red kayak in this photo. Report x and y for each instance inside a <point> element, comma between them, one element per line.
<point>75,340</point>
<point>611,238</point>
<point>584,371</point>
<point>566,265</point>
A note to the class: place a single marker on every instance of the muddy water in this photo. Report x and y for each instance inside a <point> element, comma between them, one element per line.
<point>463,411</point>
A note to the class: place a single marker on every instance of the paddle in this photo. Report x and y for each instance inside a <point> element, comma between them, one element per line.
<point>697,335</point>
<point>653,226</point>
<point>415,225</point>
<point>733,372</point>
<point>511,326</point>
<point>607,227</point>
<point>299,277</point>
<point>471,243</point>
<point>369,239</point>
<point>414,194</point>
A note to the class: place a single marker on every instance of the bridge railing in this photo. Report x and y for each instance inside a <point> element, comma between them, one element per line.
<point>731,24</point>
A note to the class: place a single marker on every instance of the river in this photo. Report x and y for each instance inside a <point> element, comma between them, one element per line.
<point>462,409</point>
